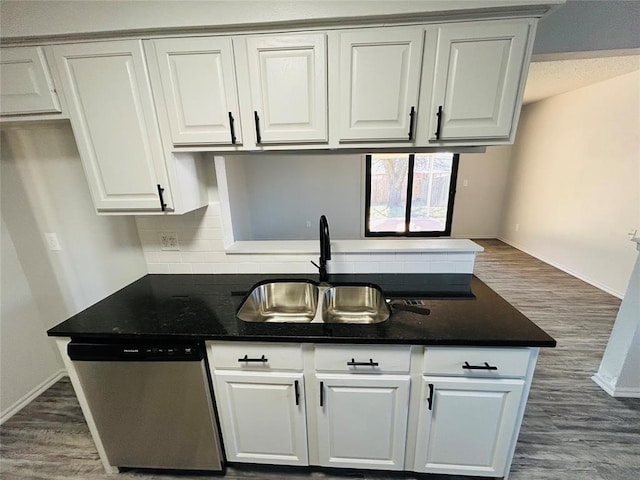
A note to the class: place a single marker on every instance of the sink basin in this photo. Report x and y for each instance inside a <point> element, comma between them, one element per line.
<point>280,301</point>
<point>354,304</point>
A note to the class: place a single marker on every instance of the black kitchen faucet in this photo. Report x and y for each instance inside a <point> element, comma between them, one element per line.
<point>325,249</point>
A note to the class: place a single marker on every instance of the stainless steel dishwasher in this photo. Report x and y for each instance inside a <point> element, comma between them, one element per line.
<point>151,403</point>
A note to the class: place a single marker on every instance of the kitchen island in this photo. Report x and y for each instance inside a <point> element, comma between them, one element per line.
<point>447,390</point>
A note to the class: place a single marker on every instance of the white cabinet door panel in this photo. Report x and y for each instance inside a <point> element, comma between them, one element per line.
<point>261,422</point>
<point>477,78</point>
<point>26,83</point>
<point>114,123</point>
<point>467,427</point>
<point>199,89</point>
<point>362,422</point>
<point>379,81</point>
<point>288,77</point>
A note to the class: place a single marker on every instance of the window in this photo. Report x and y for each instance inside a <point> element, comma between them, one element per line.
<point>410,195</point>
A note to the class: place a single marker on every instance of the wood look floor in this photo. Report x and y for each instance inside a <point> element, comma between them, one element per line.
<point>571,430</point>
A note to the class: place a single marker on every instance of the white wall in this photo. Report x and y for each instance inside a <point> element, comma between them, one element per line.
<point>478,207</point>
<point>286,191</point>
<point>27,358</point>
<point>239,203</point>
<point>44,190</point>
<point>575,181</point>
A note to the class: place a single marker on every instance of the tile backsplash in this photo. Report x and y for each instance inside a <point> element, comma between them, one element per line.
<point>201,250</point>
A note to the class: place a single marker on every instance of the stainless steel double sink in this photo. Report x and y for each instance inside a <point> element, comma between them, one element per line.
<point>306,302</point>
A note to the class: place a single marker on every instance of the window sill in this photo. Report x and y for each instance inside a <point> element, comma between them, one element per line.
<point>302,247</point>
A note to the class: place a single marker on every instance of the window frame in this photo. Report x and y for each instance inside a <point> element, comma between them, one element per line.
<point>450,203</point>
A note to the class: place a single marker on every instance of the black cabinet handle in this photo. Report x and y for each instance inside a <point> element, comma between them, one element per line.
<point>370,363</point>
<point>246,358</point>
<point>486,366</point>
<point>232,128</point>
<point>297,389</point>
<point>163,205</point>
<point>257,121</point>
<point>322,394</point>
<point>439,127</point>
<point>430,399</point>
<point>412,114</point>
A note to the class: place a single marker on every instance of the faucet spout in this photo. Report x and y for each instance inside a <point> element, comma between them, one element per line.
<point>325,248</point>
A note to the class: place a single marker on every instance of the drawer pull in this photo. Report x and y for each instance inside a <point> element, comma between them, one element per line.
<point>232,129</point>
<point>370,363</point>
<point>163,206</point>
<point>322,394</point>
<point>439,128</point>
<point>430,399</point>
<point>486,366</point>
<point>246,358</point>
<point>297,389</point>
<point>256,120</point>
<point>412,114</point>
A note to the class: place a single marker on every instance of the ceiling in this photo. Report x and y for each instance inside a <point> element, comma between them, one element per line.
<point>550,78</point>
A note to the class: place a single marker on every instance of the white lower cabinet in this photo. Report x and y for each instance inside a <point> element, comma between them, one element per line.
<point>440,410</point>
<point>262,415</point>
<point>466,426</point>
<point>362,420</point>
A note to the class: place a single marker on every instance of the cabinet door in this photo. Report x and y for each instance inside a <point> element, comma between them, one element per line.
<point>478,75</point>
<point>379,80</point>
<point>262,417</point>
<point>466,426</point>
<point>288,77</point>
<point>362,420</point>
<point>199,89</point>
<point>26,83</point>
<point>114,123</point>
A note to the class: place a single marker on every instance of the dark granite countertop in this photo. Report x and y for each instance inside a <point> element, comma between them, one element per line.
<point>464,311</point>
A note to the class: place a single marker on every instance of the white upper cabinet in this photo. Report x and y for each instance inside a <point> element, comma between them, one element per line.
<point>379,82</point>
<point>466,426</point>
<point>26,84</point>
<point>115,125</point>
<point>198,86</point>
<point>288,83</point>
<point>479,77</point>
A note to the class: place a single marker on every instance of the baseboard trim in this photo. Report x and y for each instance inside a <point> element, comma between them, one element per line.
<point>628,392</point>
<point>31,395</point>
<point>603,384</point>
<point>559,266</point>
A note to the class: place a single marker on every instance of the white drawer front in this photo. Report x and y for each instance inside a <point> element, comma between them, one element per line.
<point>341,358</point>
<point>259,356</point>
<point>508,362</point>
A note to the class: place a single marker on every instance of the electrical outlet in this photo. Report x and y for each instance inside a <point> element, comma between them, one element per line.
<point>52,242</point>
<point>308,223</point>
<point>517,227</point>
<point>169,241</point>
<point>465,183</point>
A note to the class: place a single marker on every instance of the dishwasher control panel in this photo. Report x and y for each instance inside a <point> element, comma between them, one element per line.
<point>139,352</point>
